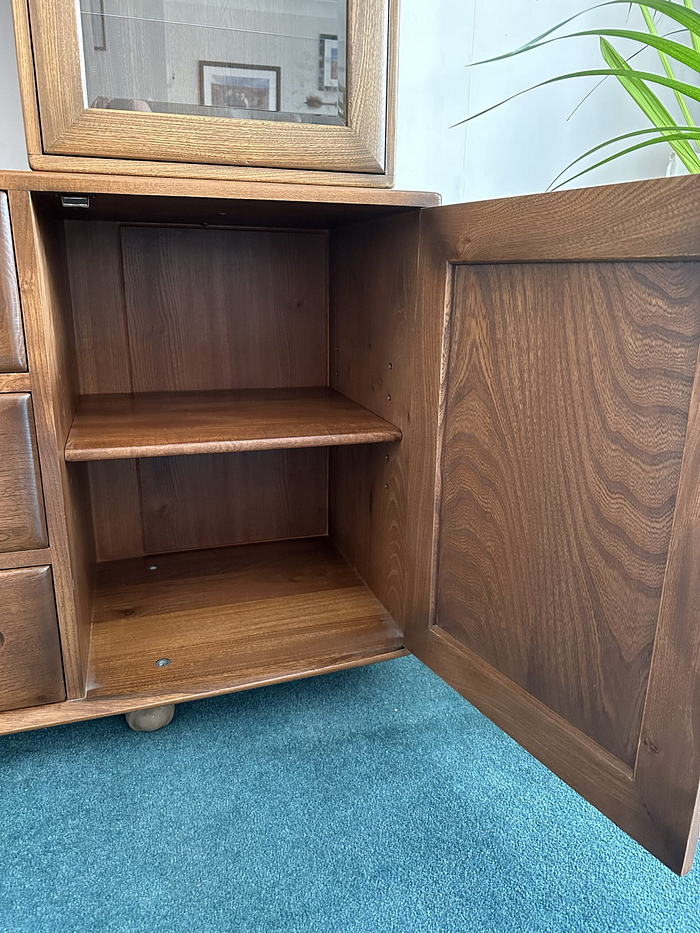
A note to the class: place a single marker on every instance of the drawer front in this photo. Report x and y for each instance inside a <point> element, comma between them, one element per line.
<point>13,358</point>
<point>31,672</point>
<point>22,521</point>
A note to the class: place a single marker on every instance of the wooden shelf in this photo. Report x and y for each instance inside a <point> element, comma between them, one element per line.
<point>232,617</point>
<point>166,424</point>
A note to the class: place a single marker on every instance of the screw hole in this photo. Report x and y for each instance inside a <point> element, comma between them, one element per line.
<point>386,485</point>
<point>391,365</point>
<point>162,662</point>
<point>387,458</point>
<point>389,397</point>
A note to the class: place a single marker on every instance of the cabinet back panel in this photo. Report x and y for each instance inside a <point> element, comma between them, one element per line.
<point>567,405</point>
<point>169,309</point>
<point>213,500</point>
<point>161,309</point>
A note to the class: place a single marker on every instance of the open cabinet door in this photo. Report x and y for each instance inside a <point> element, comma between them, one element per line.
<point>563,598</point>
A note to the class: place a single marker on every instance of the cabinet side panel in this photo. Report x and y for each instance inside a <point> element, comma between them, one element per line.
<point>13,358</point>
<point>377,358</point>
<point>568,392</point>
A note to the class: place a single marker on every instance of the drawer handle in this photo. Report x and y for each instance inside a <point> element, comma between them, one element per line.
<point>2,640</point>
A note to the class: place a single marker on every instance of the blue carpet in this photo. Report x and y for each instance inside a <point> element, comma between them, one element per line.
<point>372,800</point>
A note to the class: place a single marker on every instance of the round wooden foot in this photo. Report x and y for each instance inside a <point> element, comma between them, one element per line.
<point>150,720</point>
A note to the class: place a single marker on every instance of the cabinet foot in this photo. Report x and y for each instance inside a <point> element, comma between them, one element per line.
<point>150,720</point>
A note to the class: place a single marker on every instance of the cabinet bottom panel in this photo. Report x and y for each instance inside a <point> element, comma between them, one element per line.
<point>231,617</point>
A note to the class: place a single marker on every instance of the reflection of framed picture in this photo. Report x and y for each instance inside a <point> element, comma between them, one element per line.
<point>328,64</point>
<point>243,87</point>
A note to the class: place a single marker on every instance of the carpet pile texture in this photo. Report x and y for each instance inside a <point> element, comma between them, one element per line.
<point>369,801</point>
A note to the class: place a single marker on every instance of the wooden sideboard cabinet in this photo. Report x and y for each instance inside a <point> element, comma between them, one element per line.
<point>268,431</point>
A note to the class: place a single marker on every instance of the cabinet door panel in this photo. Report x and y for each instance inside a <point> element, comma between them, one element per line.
<point>22,520</point>
<point>12,354</point>
<point>31,672</point>
<point>564,581</point>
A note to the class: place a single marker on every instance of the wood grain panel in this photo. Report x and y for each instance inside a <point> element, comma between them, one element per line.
<point>567,407</point>
<point>13,357</point>
<point>161,424</point>
<point>375,356</point>
<point>99,307</point>
<point>55,714</point>
<point>219,500</point>
<point>68,128</point>
<point>231,615</point>
<point>22,520</point>
<point>213,309</point>
<point>31,673</point>
<point>117,515</point>
<point>43,279</point>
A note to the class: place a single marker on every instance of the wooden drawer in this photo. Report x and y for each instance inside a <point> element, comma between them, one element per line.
<point>12,354</point>
<point>22,521</point>
<point>31,672</point>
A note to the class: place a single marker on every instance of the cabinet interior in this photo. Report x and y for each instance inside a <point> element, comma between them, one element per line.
<point>233,392</point>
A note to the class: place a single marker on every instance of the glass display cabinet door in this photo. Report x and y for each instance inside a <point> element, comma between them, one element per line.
<point>294,84</point>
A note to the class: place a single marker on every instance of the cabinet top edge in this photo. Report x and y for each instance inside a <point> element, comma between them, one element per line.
<point>209,188</point>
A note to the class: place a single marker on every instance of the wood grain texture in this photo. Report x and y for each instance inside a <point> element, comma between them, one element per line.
<point>43,279</point>
<point>13,357</point>
<point>668,762</point>
<point>162,184</point>
<point>68,128</point>
<point>259,496</point>
<point>653,219</point>
<point>612,485</point>
<point>15,382</point>
<point>172,504</point>
<point>163,424</point>
<point>11,559</point>
<point>55,714</point>
<point>22,520</point>
<point>567,406</point>
<point>30,655</point>
<point>231,615</point>
<point>376,336</point>
<point>213,309</point>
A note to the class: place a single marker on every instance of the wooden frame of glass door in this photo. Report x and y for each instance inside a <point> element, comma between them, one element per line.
<point>64,134</point>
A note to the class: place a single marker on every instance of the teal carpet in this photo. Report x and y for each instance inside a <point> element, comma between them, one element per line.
<point>373,800</point>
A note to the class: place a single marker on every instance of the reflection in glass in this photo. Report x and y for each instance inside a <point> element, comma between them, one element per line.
<point>250,59</point>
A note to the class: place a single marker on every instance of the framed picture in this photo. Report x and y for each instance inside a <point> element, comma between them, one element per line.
<point>328,64</point>
<point>242,87</point>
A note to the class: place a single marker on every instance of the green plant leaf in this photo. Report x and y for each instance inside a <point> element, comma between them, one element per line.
<point>617,155</point>
<point>695,38</point>
<point>683,14</point>
<point>687,89</point>
<point>648,102</point>
<point>675,50</point>
<point>682,131</point>
<point>682,103</point>
<point>685,132</point>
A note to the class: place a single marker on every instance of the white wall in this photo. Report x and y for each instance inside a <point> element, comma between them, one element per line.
<point>516,149</point>
<point>521,147</point>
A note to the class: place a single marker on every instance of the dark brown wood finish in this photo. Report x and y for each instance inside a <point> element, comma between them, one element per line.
<point>22,520</point>
<point>378,339</point>
<point>43,279</point>
<point>31,673</point>
<point>231,616</point>
<point>13,357</point>
<point>211,500</point>
<point>565,528</point>
<point>162,424</point>
<point>225,309</point>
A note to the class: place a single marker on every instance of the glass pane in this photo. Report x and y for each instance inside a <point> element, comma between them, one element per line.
<point>250,59</point>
